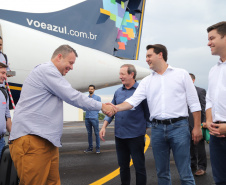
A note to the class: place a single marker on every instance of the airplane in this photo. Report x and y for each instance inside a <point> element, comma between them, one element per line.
<point>103,32</point>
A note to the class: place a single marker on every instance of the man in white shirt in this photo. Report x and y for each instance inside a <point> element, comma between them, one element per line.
<point>169,92</point>
<point>216,102</point>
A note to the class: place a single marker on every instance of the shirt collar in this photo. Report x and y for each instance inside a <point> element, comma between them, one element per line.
<point>135,85</point>
<point>168,68</point>
<point>220,62</point>
<point>92,95</point>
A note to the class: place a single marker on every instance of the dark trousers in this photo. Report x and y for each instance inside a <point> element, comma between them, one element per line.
<point>133,147</point>
<point>218,159</point>
<point>198,155</point>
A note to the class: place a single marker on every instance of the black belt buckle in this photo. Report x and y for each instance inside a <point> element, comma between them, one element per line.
<point>166,122</point>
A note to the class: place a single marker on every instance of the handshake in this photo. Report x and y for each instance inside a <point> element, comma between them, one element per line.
<point>109,109</point>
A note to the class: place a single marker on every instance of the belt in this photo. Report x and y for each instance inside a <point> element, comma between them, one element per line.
<point>168,121</point>
<point>1,136</point>
<point>219,122</point>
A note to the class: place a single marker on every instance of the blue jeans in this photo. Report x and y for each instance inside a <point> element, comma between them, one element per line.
<point>218,159</point>
<point>2,144</point>
<point>133,147</point>
<point>175,136</point>
<point>92,122</point>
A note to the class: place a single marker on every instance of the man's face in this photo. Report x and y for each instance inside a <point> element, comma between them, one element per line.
<point>216,43</point>
<point>91,90</point>
<point>65,64</point>
<point>1,44</point>
<point>125,78</point>
<point>2,75</point>
<point>152,58</point>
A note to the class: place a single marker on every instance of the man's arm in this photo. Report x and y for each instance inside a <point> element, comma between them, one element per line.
<point>123,106</point>
<point>103,130</point>
<point>209,119</point>
<point>8,124</point>
<point>197,132</point>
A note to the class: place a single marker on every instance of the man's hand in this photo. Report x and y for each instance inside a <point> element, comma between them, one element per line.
<point>218,130</point>
<point>213,130</point>
<point>103,130</point>
<point>102,133</point>
<point>196,135</point>
<point>197,131</point>
<point>109,109</point>
<point>204,125</point>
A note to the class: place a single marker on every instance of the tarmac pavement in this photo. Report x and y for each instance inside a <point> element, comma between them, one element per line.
<point>79,168</point>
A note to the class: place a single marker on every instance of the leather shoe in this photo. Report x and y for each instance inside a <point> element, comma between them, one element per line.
<point>200,172</point>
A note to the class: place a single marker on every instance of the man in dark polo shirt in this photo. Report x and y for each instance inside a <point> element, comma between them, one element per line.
<point>130,128</point>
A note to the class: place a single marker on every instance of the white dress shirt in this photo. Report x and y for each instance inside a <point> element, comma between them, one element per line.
<point>168,95</point>
<point>216,93</point>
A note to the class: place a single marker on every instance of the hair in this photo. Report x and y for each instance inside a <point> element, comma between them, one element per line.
<point>3,65</point>
<point>159,48</point>
<point>64,50</point>
<point>130,69</point>
<point>220,27</point>
<point>92,86</point>
<point>192,76</point>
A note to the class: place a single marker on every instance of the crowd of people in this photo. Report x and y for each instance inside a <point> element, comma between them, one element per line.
<point>166,100</point>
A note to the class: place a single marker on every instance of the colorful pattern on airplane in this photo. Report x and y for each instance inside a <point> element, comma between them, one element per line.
<point>124,21</point>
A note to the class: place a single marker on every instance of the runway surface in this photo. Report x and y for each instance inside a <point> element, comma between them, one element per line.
<point>79,168</point>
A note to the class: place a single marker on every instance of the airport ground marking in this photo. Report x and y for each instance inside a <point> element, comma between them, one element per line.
<point>117,172</point>
<point>15,88</point>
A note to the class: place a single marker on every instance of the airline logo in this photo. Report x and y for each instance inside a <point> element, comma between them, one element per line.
<point>105,25</point>
<point>126,23</point>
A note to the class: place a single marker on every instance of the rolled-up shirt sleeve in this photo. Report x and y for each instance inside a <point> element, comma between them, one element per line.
<point>139,95</point>
<point>208,100</point>
<point>191,94</point>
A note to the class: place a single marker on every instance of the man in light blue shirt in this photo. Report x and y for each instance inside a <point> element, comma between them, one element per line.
<point>5,118</point>
<point>92,121</point>
<point>38,118</point>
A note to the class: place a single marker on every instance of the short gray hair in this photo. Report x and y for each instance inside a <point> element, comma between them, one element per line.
<point>64,50</point>
<point>131,69</point>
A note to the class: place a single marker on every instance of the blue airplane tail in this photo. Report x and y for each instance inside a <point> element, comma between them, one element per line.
<point>111,26</point>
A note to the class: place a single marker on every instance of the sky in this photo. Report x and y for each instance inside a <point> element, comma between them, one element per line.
<point>181,26</point>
